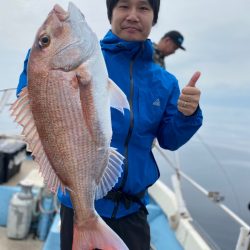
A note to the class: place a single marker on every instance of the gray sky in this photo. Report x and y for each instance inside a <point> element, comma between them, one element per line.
<point>217,37</point>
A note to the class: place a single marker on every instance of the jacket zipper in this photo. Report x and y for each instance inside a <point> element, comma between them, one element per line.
<point>131,125</point>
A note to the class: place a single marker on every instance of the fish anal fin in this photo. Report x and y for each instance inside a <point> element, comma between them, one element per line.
<point>30,134</point>
<point>111,174</point>
<point>118,99</point>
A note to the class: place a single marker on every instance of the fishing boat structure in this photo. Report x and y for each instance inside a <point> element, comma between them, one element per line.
<point>170,221</point>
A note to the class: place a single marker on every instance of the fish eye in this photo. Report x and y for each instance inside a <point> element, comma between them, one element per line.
<point>44,41</point>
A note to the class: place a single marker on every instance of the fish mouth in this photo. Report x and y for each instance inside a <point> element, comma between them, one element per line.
<point>76,19</point>
<point>61,14</point>
<point>73,13</point>
<point>80,34</point>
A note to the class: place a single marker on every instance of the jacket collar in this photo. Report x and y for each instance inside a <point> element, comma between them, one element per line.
<point>114,44</point>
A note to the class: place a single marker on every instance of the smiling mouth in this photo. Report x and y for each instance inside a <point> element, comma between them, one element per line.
<point>131,29</point>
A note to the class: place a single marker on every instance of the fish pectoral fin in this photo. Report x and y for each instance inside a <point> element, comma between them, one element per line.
<point>21,111</point>
<point>118,99</point>
<point>86,97</point>
<point>111,173</point>
<point>83,75</point>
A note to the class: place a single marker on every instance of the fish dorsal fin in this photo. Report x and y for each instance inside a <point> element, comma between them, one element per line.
<point>22,113</point>
<point>111,173</point>
<point>118,99</point>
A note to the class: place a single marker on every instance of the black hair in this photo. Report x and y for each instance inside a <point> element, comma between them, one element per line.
<point>155,5</point>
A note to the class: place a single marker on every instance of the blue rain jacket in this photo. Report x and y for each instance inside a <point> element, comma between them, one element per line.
<point>152,93</point>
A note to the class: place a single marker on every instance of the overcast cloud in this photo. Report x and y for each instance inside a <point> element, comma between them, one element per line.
<point>217,37</point>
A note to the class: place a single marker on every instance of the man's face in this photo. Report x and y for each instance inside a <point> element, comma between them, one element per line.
<point>132,20</point>
<point>169,47</point>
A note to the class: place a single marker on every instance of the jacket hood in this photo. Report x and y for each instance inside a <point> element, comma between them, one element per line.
<point>114,44</point>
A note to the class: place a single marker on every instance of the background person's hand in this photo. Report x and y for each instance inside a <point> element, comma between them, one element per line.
<point>190,96</point>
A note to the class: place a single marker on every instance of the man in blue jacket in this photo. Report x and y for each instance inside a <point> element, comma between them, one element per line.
<point>157,110</point>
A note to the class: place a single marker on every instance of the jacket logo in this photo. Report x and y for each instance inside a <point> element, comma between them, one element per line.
<point>157,102</point>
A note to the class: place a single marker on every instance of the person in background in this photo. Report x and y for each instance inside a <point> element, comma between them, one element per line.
<point>168,44</point>
<point>157,110</point>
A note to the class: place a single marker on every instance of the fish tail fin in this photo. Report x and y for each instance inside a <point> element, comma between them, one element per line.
<point>97,235</point>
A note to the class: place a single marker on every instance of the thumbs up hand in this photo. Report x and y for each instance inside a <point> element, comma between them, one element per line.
<point>190,96</point>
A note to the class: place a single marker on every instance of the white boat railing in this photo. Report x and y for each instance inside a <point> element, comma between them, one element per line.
<point>8,89</point>
<point>5,95</point>
<point>243,242</point>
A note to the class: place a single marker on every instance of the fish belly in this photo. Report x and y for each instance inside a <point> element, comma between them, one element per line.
<point>77,154</point>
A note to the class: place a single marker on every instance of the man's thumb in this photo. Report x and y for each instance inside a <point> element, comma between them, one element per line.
<point>194,79</point>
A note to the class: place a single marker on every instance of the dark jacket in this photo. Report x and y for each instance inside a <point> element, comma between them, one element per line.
<point>158,57</point>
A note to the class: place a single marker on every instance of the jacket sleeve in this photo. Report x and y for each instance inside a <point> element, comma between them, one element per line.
<point>23,81</point>
<point>175,128</point>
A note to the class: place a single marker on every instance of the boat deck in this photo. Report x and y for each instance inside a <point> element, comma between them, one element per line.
<point>30,242</point>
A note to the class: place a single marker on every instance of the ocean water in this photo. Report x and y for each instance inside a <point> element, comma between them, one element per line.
<point>218,158</point>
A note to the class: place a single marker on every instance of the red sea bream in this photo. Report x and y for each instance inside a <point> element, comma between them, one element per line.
<point>65,115</point>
